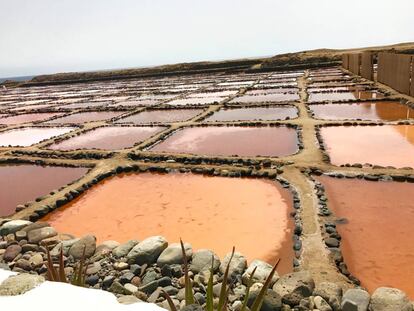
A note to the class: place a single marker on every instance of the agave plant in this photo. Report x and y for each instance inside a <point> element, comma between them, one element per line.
<point>58,275</point>
<point>225,288</point>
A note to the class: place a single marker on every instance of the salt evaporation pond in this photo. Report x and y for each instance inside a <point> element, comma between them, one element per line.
<point>161,116</point>
<point>232,140</point>
<point>376,111</point>
<point>337,96</point>
<point>82,117</point>
<point>187,206</point>
<point>28,136</point>
<point>257,113</point>
<point>387,145</point>
<point>377,237</point>
<point>262,98</point>
<point>22,183</point>
<point>108,138</point>
<point>27,117</point>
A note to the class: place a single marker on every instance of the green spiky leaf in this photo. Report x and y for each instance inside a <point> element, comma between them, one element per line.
<point>223,291</point>
<point>189,295</point>
<point>249,284</point>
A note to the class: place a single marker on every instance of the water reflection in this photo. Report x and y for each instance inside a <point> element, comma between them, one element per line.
<point>387,111</point>
<point>377,240</point>
<point>235,140</point>
<point>22,183</point>
<point>388,145</point>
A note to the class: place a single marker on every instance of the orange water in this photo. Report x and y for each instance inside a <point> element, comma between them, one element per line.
<point>378,239</point>
<point>381,145</point>
<point>381,110</point>
<point>208,212</point>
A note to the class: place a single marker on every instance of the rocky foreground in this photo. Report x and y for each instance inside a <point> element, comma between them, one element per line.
<point>138,271</point>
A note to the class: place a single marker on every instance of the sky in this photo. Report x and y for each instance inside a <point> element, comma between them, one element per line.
<point>48,36</point>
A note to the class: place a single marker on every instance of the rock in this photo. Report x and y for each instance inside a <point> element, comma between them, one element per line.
<point>93,268</point>
<point>92,280</point>
<point>173,254</point>
<point>21,235</point>
<point>23,264</point>
<point>321,304</point>
<point>128,299</point>
<point>107,281</point>
<point>36,225</point>
<point>386,299</point>
<point>355,300</point>
<point>117,288</point>
<point>111,244</point>
<point>237,265</point>
<point>331,293</point>
<point>237,305</point>
<point>123,249</point>
<point>193,307</point>
<point>132,288</point>
<point>289,282</point>
<point>136,280</point>
<point>201,261</point>
<point>106,247</point>
<point>11,252</point>
<point>271,302</point>
<point>332,242</point>
<point>294,298</point>
<point>171,290</point>
<point>119,266</point>
<point>66,245</point>
<point>88,243</point>
<point>262,272</point>
<point>37,235</point>
<point>148,250</point>
<point>13,226</point>
<point>20,284</point>
<point>30,248</point>
<point>126,277</point>
<point>150,276</point>
<point>149,288</point>
<point>135,269</point>
<point>36,260</point>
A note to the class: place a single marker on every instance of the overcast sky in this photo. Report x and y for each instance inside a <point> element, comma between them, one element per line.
<point>47,36</point>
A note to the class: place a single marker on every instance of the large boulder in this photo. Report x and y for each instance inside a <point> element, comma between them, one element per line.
<point>19,284</point>
<point>37,235</point>
<point>13,226</point>
<point>237,265</point>
<point>173,254</point>
<point>123,249</point>
<point>387,299</point>
<point>148,250</point>
<point>289,282</point>
<point>262,272</point>
<point>355,299</point>
<point>201,261</point>
<point>88,242</point>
